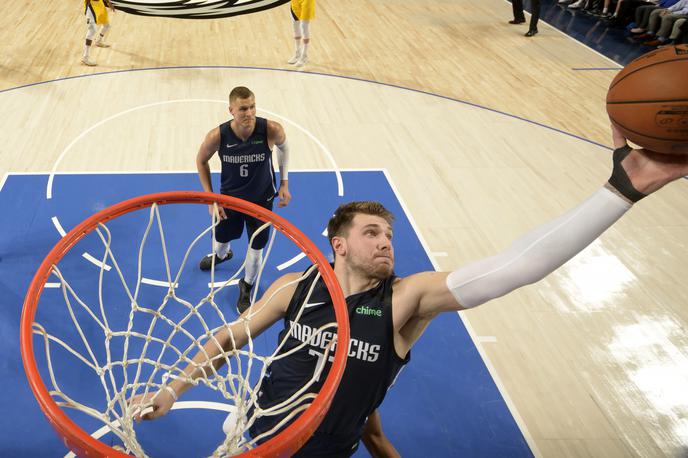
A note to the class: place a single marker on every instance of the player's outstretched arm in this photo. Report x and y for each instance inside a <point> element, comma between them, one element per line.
<point>374,439</point>
<point>271,307</point>
<point>636,174</point>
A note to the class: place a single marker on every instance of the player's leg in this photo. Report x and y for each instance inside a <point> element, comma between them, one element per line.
<point>306,31</point>
<point>226,230</point>
<point>90,33</point>
<point>103,20</point>
<point>254,258</point>
<point>100,42</point>
<point>306,15</point>
<point>296,24</point>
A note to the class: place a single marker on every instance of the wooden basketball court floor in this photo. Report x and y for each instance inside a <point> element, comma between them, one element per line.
<point>485,135</point>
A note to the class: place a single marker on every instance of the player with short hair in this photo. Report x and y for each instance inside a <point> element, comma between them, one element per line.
<point>388,314</point>
<point>96,15</point>
<point>244,145</point>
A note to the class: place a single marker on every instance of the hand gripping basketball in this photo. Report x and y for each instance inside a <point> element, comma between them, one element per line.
<point>648,100</point>
<point>638,173</point>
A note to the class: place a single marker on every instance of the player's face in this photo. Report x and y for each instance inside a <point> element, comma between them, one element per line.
<point>369,246</point>
<point>244,112</point>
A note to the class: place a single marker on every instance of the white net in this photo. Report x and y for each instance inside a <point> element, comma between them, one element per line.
<point>133,342</point>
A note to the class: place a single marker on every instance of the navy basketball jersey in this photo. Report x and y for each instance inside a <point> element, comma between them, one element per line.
<point>372,364</point>
<point>247,171</point>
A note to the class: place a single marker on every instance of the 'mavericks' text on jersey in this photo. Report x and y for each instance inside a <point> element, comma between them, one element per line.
<point>359,349</point>
<point>247,171</point>
<point>371,367</point>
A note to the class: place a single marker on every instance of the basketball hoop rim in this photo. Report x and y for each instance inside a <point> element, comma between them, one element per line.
<point>285,443</point>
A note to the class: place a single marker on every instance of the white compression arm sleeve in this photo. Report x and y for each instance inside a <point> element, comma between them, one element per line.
<point>537,253</point>
<point>283,160</point>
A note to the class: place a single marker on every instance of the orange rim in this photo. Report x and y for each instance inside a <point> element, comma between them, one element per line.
<point>282,445</point>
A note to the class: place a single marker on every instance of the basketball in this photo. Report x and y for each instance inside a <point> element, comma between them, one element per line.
<point>648,100</point>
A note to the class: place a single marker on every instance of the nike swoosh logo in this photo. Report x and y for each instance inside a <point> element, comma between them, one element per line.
<point>232,145</point>
<point>312,304</point>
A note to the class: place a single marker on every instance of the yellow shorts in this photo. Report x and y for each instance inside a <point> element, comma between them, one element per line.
<point>304,10</point>
<point>99,11</point>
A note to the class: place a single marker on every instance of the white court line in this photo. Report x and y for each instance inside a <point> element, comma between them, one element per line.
<point>328,154</point>
<point>164,284</point>
<point>53,285</point>
<point>298,257</point>
<point>487,339</point>
<point>58,226</point>
<point>490,367</point>
<point>93,260</point>
<point>60,229</point>
<point>125,172</point>
<point>49,188</point>
<point>292,261</point>
<point>218,284</point>
<point>340,182</point>
<point>179,405</point>
<point>337,171</point>
<point>350,169</point>
<point>194,171</point>
<point>28,174</point>
<point>2,181</point>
